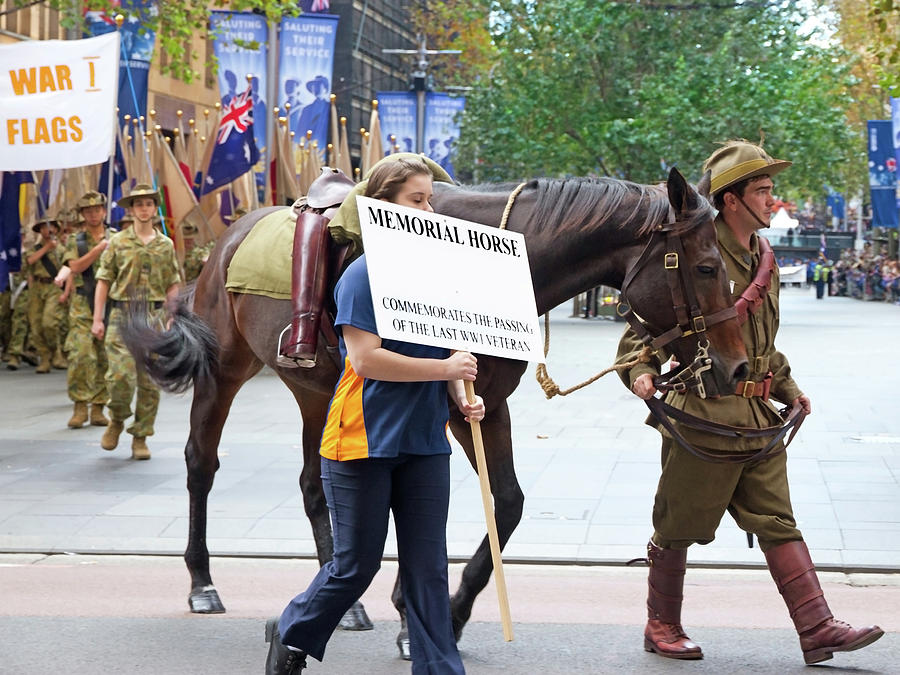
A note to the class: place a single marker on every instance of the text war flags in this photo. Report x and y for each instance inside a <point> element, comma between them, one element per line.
<point>488,308</point>
<point>57,102</point>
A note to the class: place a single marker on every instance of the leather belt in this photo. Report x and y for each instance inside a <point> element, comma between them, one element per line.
<point>749,388</point>
<point>123,304</point>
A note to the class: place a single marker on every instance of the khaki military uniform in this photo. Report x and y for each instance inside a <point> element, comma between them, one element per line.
<point>196,259</point>
<point>693,494</point>
<point>133,268</point>
<point>87,356</point>
<point>44,308</point>
<point>18,334</point>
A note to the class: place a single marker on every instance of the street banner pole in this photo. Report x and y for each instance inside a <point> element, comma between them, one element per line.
<point>487,502</point>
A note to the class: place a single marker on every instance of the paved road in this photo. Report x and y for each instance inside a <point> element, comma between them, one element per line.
<point>587,463</point>
<point>85,615</point>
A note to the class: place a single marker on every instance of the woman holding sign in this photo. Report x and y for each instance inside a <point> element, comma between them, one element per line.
<point>384,449</point>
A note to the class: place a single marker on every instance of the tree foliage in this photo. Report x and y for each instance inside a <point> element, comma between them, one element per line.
<point>630,88</point>
<point>884,15</point>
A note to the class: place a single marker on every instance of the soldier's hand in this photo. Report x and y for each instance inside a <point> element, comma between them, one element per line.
<point>643,386</point>
<point>804,402</point>
<point>62,275</point>
<point>98,329</point>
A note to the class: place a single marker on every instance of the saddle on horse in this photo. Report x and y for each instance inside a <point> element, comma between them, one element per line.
<point>313,261</point>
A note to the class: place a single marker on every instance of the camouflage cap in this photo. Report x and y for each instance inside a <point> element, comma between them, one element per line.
<point>91,198</point>
<point>69,216</point>
<point>139,190</point>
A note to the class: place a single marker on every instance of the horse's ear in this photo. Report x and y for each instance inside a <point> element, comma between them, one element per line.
<point>679,191</point>
<point>703,185</point>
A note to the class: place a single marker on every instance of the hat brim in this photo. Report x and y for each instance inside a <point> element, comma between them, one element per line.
<point>129,200</point>
<point>745,170</point>
<point>37,226</point>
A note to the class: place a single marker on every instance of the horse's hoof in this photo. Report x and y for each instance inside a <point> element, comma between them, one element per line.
<point>356,619</point>
<point>403,646</point>
<point>206,601</point>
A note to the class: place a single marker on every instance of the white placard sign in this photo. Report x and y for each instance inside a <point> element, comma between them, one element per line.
<point>58,102</point>
<point>447,282</point>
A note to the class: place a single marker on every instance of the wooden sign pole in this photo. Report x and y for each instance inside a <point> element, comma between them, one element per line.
<point>487,501</point>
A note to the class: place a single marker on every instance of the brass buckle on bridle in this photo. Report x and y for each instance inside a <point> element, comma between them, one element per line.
<point>749,389</point>
<point>670,262</point>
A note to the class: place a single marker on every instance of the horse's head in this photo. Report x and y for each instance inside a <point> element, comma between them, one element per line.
<point>678,289</point>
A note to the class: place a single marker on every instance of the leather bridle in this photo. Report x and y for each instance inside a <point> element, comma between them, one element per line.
<point>691,321</point>
<point>689,318</point>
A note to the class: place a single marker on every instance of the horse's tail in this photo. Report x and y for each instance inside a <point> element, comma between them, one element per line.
<point>185,354</point>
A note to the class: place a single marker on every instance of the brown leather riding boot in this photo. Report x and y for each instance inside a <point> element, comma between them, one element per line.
<point>664,634</point>
<point>309,279</point>
<point>820,635</point>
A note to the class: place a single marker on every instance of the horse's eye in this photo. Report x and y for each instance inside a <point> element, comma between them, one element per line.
<point>706,270</point>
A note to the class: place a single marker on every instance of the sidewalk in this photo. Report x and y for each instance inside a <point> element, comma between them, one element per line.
<point>587,463</point>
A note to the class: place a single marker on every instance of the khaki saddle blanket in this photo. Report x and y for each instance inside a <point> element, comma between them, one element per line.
<point>262,263</point>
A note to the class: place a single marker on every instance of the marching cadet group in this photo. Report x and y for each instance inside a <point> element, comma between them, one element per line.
<point>54,316</point>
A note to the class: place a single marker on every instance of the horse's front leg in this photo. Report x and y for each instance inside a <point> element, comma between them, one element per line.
<point>508,502</point>
<point>314,410</point>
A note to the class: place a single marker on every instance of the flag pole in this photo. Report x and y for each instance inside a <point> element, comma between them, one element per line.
<point>487,502</point>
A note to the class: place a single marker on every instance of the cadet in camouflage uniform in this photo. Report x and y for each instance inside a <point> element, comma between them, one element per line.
<point>693,494</point>
<point>87,356</point>
<point>138,261</point>
<point>45,301</point>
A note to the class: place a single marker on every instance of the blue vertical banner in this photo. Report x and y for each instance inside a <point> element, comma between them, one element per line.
<point>10,226</point>
<point>240,45</point>
<point>305,68</point>
<point>882,174</point>
<point>137,43</point>
<point>442,113</point>
<point>397,116</point>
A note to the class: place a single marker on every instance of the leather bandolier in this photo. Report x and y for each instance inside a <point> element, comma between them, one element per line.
<point>314,260</point>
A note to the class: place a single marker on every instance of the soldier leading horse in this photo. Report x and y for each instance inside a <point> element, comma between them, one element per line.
<point>580,233</point>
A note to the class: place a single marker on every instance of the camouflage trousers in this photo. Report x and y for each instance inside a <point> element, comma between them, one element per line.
<point>86,375</point>
<point>123,377</point>
<point>5,318</point>
<point>19,325</point>
<point>43,316</point>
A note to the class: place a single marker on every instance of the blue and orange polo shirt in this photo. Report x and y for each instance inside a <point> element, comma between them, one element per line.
<point>373,418</point>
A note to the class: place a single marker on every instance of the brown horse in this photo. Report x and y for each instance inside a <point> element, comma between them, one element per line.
<point>580,233</point>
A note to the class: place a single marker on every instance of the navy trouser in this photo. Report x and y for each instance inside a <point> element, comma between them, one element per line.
<point>360,494</point>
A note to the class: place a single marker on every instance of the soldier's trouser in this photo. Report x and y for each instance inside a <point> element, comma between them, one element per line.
<point>86,376</point>
<point>123,376</point>
<point>5,318</point>
<point>43,316</point>
<point>693,495</point>
<point>19,332</point>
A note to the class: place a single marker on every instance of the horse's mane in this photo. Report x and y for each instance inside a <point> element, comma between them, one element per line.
<point>580,201</point>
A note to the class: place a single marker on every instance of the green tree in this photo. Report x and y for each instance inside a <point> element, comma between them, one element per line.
<point>629,88</point>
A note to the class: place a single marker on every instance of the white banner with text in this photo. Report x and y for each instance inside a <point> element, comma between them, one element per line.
<point>447,282</point>
<point>58,102</point>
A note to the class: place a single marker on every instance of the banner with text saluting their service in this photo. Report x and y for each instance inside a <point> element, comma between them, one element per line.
<point>460,285</point>
<point>305,66</point>
<point>397,115</point>
<point>58,102</point>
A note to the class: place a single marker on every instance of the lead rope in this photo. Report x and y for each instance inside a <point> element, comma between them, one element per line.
<point>550,387</point>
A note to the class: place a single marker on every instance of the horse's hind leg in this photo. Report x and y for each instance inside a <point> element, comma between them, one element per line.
<point>508,502</point>
<point>209,410</point>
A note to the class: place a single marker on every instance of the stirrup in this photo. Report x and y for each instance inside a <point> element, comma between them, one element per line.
<point>287,361</point>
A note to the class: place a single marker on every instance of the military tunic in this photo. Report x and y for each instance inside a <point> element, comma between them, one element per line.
<point>87,356</point>
<point>135,269</point>
<point>693,494</point>
<point>44,308</point>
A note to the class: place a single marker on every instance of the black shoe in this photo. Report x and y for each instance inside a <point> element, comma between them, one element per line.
<point>281,660</point>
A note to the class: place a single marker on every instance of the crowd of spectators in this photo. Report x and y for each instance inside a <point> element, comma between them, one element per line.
<point>863,275</point>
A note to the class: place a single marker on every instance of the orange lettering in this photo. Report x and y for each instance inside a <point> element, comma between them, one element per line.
<point>23,81</point>
<point>58,125</point>
<point>12,130</point>
<point>47,81</point>
<point>75,124</point>
<point>64,77</point>
<point>41,132</point>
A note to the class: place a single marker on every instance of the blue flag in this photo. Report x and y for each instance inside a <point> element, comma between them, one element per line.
<point>10,225</point>
<point>235,151</point>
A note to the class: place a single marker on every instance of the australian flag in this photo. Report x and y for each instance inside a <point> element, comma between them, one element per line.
<point>10,226</point>
<point>235,151</point>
